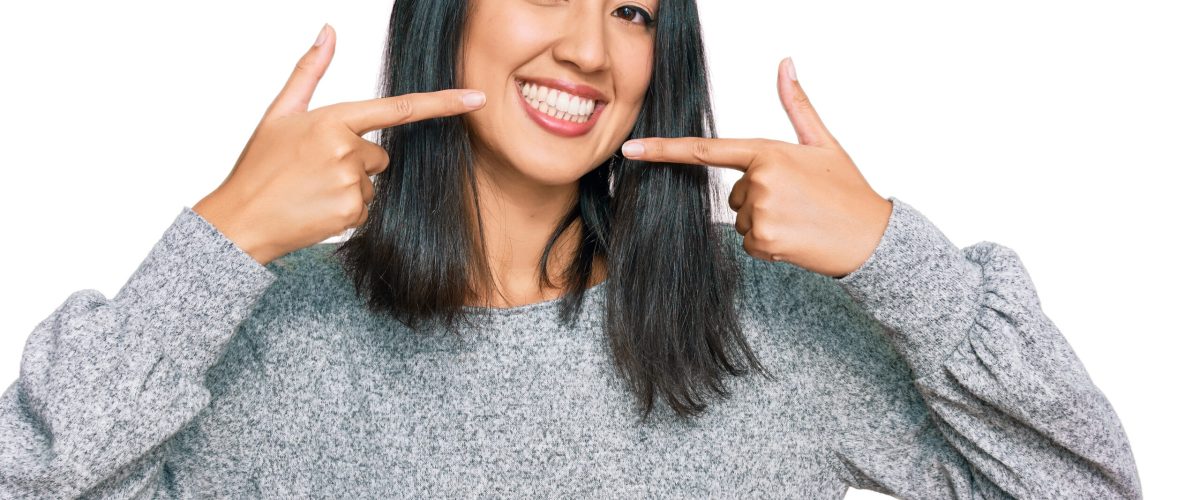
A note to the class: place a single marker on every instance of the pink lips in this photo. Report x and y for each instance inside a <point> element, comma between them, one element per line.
<point>556,126</point>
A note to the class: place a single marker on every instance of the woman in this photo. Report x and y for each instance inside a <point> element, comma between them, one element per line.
<point>598,333</point>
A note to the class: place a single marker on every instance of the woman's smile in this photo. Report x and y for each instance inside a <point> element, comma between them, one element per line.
<point>561,107</point>
<point>566,83</point>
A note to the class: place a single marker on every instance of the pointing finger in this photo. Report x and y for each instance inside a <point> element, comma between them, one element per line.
<point>376,114</point>
<point>809,128</point>
<point>298,90</point>
<point>737,154</point>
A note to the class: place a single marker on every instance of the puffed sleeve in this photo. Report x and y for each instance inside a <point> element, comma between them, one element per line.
<point>1013,412</point>
<point>106,383</point>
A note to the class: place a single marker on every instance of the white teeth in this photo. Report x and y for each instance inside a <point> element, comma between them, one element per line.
<point>557,103</point>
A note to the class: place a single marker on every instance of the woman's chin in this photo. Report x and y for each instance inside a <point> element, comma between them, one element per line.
<point>550,168</point>
<point>549,176</point>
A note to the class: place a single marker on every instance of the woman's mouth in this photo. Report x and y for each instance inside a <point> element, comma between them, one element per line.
<point>559,112</point>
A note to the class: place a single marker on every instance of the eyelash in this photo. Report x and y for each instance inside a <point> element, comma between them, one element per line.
<point>650,21</point>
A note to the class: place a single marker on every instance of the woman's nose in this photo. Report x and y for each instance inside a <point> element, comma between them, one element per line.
<point>583,43</point>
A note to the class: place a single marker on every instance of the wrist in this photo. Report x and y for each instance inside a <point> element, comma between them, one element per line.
<point>236,228</point>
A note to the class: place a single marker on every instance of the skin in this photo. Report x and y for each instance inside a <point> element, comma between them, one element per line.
<point>806,204</point>
<point>528,176</point>
<point>304,175</point>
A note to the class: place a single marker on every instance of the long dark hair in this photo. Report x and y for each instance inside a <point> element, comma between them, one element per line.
<point>671,278</point>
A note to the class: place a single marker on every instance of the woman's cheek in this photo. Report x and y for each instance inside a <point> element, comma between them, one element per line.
<point>637,65</point>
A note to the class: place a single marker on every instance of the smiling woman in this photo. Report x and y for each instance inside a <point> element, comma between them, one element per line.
<point>522,312</point>
<point>556,208</point>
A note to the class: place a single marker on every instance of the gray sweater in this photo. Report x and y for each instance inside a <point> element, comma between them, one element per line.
<point>929,372</point>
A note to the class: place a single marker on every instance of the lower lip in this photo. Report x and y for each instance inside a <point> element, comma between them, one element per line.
<point>556,126</point>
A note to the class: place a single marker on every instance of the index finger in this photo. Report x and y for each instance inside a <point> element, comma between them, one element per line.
<point>384,112</point>
<point>737,154</point>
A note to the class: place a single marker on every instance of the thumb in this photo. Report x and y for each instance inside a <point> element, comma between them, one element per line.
<point>298,90</point>
<point>809,128</point>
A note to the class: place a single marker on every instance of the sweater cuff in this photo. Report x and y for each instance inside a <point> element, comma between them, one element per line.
<point>919,286</point>
<point>193,290</point>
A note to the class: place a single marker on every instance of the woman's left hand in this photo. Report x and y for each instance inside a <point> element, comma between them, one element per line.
<point>804,203</point>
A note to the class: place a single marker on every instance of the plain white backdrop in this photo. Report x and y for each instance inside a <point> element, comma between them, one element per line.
<point>1065,131</point>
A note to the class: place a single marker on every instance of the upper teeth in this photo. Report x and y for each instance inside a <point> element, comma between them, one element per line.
<point>558,103</point>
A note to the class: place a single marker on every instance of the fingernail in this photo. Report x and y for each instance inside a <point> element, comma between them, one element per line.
<point>473,99</point>
<point>322,35</point>
<point>633,149</point>
<point>791,69</point>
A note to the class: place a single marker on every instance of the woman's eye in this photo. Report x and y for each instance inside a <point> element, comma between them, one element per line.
<point>631,14</point>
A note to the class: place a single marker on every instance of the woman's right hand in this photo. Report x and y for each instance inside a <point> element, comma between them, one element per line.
<point>304,175</point>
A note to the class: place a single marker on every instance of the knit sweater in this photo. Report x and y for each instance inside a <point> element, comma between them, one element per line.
<point>929,372</point>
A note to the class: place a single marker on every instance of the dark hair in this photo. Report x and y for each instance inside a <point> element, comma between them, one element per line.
<point>670,316</point>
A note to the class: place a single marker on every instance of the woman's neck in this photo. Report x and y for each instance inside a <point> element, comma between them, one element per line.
<point>519,216</point>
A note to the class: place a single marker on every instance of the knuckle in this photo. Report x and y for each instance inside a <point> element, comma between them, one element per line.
<point>342,151</point>
<point>760,212</point>
<point>304,65</point>
<point>758,181</point>
<point>763,236</point>
<point>742,225</point>
<point>700,150</point>
<point>403,107</point>
<point>736,202</point>
<point>350,209</point>
<point>346,177</point>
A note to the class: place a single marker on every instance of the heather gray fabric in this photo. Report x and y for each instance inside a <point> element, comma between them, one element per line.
<point>930,372</point>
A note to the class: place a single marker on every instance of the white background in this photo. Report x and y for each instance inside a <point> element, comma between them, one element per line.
<point>1065,131</point>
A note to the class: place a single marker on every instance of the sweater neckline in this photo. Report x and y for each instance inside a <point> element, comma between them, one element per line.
<point>536,306</point>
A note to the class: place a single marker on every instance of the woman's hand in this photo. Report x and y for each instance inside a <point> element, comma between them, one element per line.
<point>304,175</point>
<point>804,203</point>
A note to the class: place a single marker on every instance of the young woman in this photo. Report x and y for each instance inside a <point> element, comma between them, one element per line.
<point>522,311</point>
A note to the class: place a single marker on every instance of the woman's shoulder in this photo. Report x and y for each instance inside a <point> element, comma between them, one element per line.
<point>306,301</point>
<point>311,278</point>
<point>814,325</point>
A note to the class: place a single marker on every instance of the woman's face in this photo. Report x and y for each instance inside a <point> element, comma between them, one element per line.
<point>564,81</point>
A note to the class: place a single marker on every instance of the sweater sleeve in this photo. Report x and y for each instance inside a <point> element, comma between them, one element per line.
<point>1012,412</point>
<point>105,383</point>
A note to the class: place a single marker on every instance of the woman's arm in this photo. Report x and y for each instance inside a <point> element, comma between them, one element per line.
<point>1012,409</point>
<point>104,384</point>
